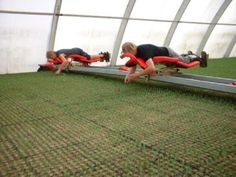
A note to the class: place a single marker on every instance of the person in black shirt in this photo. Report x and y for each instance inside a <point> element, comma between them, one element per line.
<point>148,51</point>
<point>63,53</point>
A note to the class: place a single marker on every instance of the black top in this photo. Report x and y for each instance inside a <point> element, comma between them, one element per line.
<point>147,51</point>
<point>73,51</point>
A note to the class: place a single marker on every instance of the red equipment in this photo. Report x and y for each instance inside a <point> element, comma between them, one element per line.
<point>158,59</point>
<point>51,64</point>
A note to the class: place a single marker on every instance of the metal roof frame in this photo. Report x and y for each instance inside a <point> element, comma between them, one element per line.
<point>121,31</point>
<point>125,19</point>
<point>55,19</point>
<point>174,24</point>
<point>211,27</point>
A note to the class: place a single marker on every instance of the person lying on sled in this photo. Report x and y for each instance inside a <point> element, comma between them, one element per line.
<point>148,51</point>
<point>63,53</point>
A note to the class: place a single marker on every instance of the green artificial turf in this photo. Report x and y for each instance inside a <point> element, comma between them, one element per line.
<point>216,67</point>
<point>87,125</point>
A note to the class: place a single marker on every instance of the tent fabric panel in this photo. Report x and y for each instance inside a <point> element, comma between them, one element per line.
<point>28,5</point>
<point>91,7</point>
<point>220,40</point>
<point>93,35</point>
<point>153,9</point>
<point>23,49</point>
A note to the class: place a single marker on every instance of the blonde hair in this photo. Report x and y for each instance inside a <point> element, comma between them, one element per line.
<point>129,47</point>
<point>50,54</point>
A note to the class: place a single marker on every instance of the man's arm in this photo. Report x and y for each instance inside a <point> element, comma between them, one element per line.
<point>151,69</point>
<point>131,70</point>
<point>63,64</point>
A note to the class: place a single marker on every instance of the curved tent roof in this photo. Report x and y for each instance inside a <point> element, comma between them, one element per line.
<point>29,28</point>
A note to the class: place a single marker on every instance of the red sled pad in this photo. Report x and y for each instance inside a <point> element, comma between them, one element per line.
<point>80,58</point>
<point>56,60</point>
<point>49,66</point>
<point>134,61</point>
<point>158,59</point>
<point>176,61</point>
<point>51,63</point>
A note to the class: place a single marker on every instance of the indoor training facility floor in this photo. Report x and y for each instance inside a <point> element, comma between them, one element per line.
<point>87,125</point>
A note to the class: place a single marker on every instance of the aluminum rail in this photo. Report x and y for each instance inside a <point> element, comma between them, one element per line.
<point>206,82</point>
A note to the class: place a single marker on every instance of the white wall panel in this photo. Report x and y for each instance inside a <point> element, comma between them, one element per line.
<point>229,15</point>
<point>187,37</point>
<point>93,7</point>
<point>219,40</point>
<point>156,9</point>
<point>28,5</point>
<point>201,10</point>
<point>91,34</point>
<point>24,40</point>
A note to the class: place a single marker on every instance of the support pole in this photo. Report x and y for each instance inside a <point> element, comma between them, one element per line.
<point>120,34</point>
<point>175,23</point>
<point>212,25</point>
<point>55,19</point>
